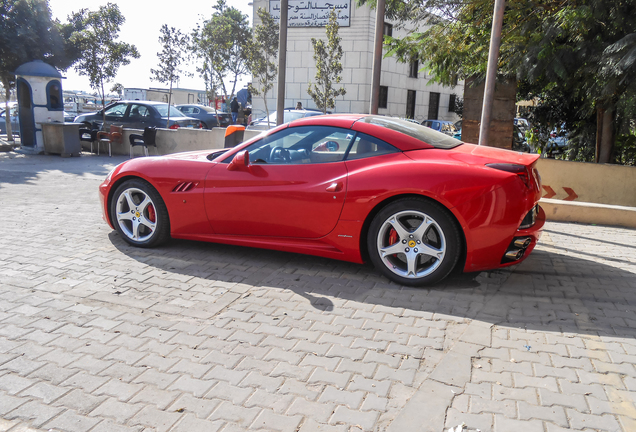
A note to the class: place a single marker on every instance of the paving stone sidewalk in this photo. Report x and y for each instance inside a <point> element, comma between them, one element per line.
<point>102,337</point>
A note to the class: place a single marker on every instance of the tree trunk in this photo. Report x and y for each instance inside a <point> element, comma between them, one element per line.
<point>103,106</point>
<point>7,112</point>
<point>604,134</point>
<point>266,108</point>
<point>169,101</point>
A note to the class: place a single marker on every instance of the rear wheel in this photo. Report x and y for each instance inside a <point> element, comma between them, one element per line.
<point>139,214</point>
<point>414,242</point>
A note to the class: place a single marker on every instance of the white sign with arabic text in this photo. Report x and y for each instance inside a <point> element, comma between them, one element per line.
<point>312,13</point>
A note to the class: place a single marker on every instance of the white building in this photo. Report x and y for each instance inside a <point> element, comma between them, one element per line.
<point>404,92</point>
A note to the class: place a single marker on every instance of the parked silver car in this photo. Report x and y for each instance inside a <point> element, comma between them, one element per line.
<point>15,123</point>
<point>290,114</point>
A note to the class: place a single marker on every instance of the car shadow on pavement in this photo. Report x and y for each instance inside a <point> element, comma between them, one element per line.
<point>550,291</point>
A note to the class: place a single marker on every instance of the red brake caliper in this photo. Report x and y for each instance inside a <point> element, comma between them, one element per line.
<point>151,214</point>
<point>393,237</point>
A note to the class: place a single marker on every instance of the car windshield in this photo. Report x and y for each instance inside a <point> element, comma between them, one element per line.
<point>207,109</point>
<point>422,133</point>
<point>163,111</point>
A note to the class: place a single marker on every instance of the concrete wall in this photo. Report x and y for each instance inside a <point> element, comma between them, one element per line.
<point>590,182</point>
<point>602,194</point>
<point>172,141</point>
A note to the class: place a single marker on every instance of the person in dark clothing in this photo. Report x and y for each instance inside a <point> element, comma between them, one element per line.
<point>234,107</point>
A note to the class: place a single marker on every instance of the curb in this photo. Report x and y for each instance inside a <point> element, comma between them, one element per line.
<point>589,213</point>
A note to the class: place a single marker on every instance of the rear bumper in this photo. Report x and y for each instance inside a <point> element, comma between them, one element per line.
<point>533,233</point>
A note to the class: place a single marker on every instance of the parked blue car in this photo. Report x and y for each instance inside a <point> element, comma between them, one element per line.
<point>139,115</point>
<point>15,123</point>
<point>443,126</point>
<point>208,115</point>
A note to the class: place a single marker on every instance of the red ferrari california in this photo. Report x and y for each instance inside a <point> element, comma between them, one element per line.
<point>413,201</point>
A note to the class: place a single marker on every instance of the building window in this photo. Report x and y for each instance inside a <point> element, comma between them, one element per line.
<point>388,29</point>
<point>452,100</point>
<point>433,106</point>
<point>384,97</point>
<point>410,104</point>
<point>413,67</point>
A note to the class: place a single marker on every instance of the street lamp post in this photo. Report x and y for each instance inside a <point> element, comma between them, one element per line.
<point>377,57</point>
<point>282,62</point>
<point>491,72</point>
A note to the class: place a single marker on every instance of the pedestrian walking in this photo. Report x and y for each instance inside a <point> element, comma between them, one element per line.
<point>234,107</point>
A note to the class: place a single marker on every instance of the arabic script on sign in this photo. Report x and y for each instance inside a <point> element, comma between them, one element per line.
<point>312,13</point>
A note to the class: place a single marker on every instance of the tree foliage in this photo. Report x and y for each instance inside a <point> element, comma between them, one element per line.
<point>118,88</point>
<point>102,54</point>
<point>219,43</point>
<point>581,52</point>
<point>28,33</point>
<point>261,56</point>
<point>328,67</point>
<point>171,57</point>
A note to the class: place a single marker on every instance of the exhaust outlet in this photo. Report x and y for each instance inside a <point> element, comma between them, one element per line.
<point>514,254</point>
<point>522,242</point>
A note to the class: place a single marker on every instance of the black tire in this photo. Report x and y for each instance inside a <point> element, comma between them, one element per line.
<point>410,264</point>
<point>139,214</point>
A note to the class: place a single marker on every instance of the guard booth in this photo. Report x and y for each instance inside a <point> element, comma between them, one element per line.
<point>39,100</point>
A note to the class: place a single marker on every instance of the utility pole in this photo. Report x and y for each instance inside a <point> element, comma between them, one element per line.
<point>377,57</point>
<point>491,72</point>
<point>282,62</point>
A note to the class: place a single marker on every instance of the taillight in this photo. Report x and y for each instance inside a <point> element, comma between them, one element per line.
<point>520,170</point>
<point>174,126</point>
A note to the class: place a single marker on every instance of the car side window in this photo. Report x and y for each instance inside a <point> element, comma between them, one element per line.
<point>137,111</point>
<point>366,146</point>
<point>185,110</point>
<point>117,110</point>
<point>195,110</point>
<point>301,145</point>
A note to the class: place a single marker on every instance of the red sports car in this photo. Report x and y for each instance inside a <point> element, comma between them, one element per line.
<point>413,201</point>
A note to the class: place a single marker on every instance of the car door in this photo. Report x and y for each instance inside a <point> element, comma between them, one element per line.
<point>138,117</point>
<point>294,186</point>
<point>115,115</point>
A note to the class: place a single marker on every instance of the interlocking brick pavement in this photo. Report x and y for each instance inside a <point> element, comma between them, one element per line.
<point>98,336</point>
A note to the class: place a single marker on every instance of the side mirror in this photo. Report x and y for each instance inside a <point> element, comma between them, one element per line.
<point>240,161</point>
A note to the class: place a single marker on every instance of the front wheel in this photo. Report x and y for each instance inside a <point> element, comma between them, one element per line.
<point>414,242</point>
<point>139,214</point>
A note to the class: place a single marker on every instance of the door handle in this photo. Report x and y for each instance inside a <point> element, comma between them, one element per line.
<point>335,187</point>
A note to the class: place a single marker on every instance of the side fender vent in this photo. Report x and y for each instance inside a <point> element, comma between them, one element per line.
<point>185,186</point>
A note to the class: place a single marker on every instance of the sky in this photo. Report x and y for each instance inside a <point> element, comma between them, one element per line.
<point>143,21</point>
